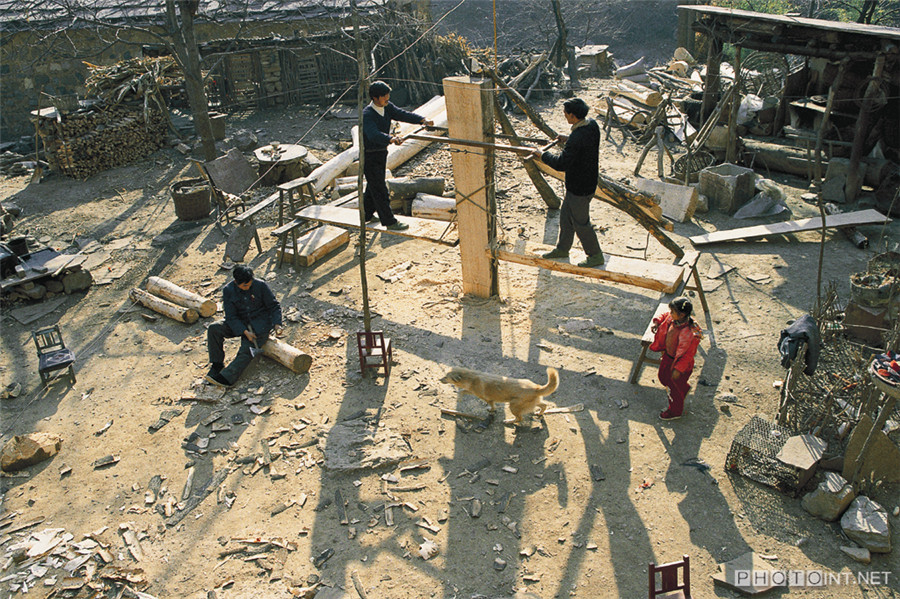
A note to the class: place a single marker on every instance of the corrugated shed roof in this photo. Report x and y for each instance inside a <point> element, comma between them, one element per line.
<point>17,15</point>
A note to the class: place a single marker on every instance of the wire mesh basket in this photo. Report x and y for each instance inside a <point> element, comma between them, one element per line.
<point>753,452</point>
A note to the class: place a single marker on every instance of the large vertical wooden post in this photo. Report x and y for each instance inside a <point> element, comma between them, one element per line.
<point>851,187</point>
<point>711,85</point>
<point>470,116</point>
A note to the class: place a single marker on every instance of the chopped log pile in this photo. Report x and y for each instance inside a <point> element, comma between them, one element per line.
<point>86,142</point>
<point>127,119</point>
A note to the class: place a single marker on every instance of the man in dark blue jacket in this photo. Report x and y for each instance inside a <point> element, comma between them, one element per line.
<point>376,138</point>
<point>580,161</point>
<point>251,313</point>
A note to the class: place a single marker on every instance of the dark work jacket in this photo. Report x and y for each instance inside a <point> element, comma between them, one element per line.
<point>579,159</point>
<point>256,307</point>
<point>803,329</point>
<point>377,128</point>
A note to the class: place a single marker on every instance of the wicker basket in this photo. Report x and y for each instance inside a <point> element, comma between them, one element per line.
<point>191,197</point>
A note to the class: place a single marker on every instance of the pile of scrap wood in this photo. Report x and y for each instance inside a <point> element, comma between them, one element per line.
<point>644,99</point>
<point>534,76</point>
<point>132,80</point>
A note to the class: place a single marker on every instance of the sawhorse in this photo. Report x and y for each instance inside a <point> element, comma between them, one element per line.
<point>306,195</point>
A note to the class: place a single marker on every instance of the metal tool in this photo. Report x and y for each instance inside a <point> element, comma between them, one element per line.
<point>255,349</point>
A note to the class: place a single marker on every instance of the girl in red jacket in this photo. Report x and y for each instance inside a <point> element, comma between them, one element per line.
<point>677,337</point>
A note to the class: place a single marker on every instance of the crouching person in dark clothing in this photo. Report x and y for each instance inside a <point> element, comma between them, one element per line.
<point>251,313</point>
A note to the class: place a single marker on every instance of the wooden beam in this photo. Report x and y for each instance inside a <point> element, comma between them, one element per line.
<point>629,271</point>
<point>419,228</point>
<point>834,221</point>
<point>470,116</point>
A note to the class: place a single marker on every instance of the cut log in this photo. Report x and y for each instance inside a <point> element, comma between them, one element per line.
<point>287,355</point>
<point>678,202</point>
<point>434,207</point>
<point>636,91</point>
<point>404,188</point>
<point>164,307</point>
<point>181,296</point>
<point>623,113</point>
<point>780,158</point>
<point>634,68</point>
<point>326,173</point>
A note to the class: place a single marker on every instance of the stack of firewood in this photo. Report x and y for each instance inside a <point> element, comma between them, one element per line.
<point>87,141</point>
<point>126,121</point>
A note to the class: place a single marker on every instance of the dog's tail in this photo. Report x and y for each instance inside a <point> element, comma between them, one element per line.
<point>552,382</point>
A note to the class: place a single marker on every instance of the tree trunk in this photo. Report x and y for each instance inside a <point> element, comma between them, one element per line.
<point>180,24</point>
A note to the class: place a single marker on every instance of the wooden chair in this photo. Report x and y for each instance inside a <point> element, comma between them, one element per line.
<point>374,351</point>
<point>668,573</point>
<point>230,178</point>
<point>53,354</point>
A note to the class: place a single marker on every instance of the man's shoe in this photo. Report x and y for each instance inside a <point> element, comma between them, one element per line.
<point>397,226</point>
<point>556,253</point>
<point>667,415</point>
<point>217,379</point>
<point>215,369</point>
<point>372,218</point>
<point>592,261</point>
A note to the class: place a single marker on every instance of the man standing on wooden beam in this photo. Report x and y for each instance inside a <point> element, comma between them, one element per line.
<point>376,138</point>
<point>580,161</point>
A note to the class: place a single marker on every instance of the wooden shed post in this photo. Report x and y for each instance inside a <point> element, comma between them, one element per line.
<point>711,85</point>
<point>470,116</point>
<point>851,187</point>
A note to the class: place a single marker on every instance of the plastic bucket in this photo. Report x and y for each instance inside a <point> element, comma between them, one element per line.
<point>191,197</point>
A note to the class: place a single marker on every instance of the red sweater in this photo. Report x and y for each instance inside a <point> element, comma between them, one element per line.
<point>688,337</point>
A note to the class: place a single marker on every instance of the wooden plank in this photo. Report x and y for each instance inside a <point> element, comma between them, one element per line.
<point>316,244</point>
<point>419,228</point>
<point>257,208</point>
<point>639,273</point>
<point>470,116</point>
<point>833,221</point>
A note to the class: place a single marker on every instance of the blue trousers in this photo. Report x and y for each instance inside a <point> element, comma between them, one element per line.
<point>215,343</point>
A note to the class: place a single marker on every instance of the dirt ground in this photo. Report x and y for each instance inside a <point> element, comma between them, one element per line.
<point>545,527</point>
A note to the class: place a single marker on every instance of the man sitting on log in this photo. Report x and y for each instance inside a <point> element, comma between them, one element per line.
<point>251,313</point>
<point>376,139</point>
<point>580,161</point>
